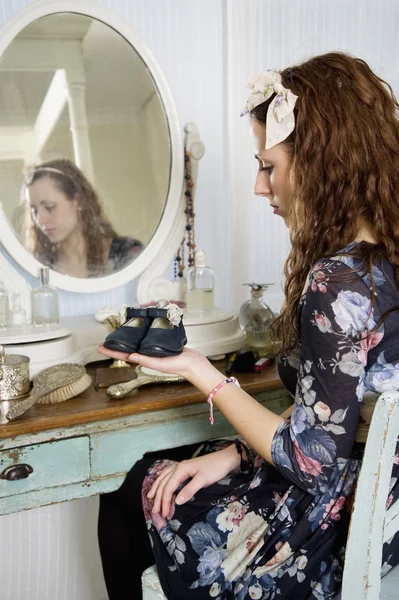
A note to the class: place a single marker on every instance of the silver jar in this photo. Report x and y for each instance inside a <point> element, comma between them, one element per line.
<point>14,375</point>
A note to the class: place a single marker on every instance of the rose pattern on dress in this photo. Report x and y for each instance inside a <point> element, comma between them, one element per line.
<point>252,535</point>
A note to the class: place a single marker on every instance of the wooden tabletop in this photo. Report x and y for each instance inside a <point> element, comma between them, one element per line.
<point>92,405</point>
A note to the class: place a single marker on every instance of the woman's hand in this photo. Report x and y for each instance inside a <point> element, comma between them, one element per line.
<point>202,472</point>
<point>183,364</point>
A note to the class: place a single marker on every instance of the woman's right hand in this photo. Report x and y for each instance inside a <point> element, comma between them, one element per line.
<point>201,471</point>
<point>183,364</point>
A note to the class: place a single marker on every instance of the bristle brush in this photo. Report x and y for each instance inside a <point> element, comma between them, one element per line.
<point>52,385</point>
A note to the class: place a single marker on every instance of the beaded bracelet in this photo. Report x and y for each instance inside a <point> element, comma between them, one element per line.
<point>213,392</point>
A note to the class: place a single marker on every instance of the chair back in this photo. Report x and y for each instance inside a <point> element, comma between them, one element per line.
<point>371,524</point>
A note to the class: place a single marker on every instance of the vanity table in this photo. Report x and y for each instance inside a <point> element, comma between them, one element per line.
<point>86,445</point>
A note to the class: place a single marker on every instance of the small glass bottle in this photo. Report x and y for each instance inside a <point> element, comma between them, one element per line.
<point>4,315</point>
<point>200,284</point>
<point>256,318</point>
<point>44,301</point>
<point>17,313</point>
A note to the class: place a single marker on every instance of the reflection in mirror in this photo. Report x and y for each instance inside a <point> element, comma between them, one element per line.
<point>64,225</point>
<point>85,158</point>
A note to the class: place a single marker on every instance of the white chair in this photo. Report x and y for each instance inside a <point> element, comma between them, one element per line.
<point>371,524</point>
<point>151,586</point>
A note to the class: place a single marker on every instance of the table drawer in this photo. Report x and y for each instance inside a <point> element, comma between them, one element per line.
<point>51,464</point>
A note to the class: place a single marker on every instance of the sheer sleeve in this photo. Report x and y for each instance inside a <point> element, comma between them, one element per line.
<point>311,449</point>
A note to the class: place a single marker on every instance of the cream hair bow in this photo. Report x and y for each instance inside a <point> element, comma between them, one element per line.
<point>280,120</point>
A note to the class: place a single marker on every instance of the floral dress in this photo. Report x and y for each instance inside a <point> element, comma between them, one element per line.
<point>280,531</point>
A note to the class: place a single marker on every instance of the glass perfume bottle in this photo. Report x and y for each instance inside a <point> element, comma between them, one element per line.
<point>256,318</point>
<point>200,284</point>
<point>17,312</point>
<point>44,301</point>
<point>4,316</point>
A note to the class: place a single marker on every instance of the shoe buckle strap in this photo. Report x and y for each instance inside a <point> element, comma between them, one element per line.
<point>131,312</point>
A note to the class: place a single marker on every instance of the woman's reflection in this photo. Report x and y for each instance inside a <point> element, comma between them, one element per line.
<point>65,226</point>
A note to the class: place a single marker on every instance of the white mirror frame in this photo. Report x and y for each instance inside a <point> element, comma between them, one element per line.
<point>154,260</point>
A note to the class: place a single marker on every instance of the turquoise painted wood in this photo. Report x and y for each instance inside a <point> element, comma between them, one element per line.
<point>87,460</point>
<point>53,495</point>
<point>113,452</point>
<point>53,464</point>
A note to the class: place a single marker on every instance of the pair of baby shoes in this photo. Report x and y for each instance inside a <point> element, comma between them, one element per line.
<point>154,331</point>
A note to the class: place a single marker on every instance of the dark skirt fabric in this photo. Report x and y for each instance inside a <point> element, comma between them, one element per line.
<point>254,536</point>
<point>279,531</point>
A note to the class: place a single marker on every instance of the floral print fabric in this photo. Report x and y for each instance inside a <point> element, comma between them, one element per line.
<point>280,531</point>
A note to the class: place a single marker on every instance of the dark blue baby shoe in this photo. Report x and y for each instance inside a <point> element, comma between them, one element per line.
<point>166,335</point>
<point>128,336</point>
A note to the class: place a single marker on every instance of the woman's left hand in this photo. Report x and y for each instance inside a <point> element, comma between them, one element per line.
<point>200,472</point>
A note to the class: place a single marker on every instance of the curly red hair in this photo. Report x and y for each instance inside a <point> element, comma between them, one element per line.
<point>345,168</point>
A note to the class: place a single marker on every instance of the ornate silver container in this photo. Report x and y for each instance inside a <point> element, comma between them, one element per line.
<point>14,375</point>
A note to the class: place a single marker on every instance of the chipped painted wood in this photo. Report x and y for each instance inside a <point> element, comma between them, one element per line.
<point>93,458</point>
<point>371,524</point>
<point>113,452</point>
<point>53,464</point>
<point>274,400</point>
<point>63,493</point>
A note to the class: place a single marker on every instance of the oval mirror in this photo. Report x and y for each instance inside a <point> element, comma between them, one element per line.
<point>90,134</point>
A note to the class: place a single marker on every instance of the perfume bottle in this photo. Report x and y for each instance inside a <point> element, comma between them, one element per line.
<point>200,284</point>
<point>17,312</point>
<point>256,318</point>
<point>44,301</point>
<point>4,315</point>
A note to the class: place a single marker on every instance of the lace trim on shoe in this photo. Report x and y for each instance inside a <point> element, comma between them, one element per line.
<point>172,312</point>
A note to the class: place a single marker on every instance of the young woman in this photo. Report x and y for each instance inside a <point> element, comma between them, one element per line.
<point>65,227</point>
<point>268,517</point>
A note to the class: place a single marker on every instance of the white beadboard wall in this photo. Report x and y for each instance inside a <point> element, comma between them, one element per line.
<point>264,34</point>
<point>207,49</point>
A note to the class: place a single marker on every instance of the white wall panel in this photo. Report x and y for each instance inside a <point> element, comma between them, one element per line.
<point>51,553</point>
<point>264,34</point>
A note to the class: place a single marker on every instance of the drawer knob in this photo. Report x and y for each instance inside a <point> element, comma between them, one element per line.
<point>16,472</point>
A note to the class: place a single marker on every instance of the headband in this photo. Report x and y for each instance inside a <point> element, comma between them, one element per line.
<point>280,120</point>
<point>29,175</point>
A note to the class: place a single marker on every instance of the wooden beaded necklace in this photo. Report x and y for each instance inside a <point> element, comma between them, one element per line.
<point>189,235</point>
